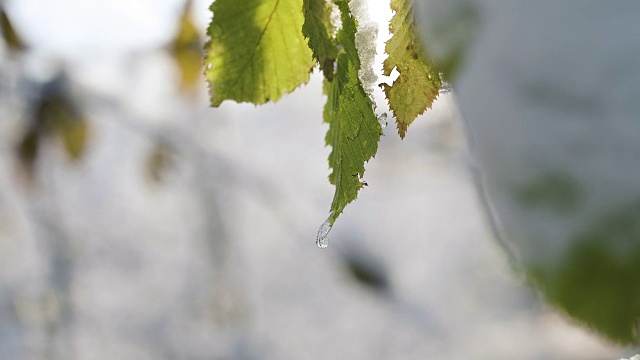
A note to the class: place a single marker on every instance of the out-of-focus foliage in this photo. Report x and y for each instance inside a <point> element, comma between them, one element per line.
<point>186,49</point>
<point>456,28</point>
<point>55,115</point>
<point>419,82</point>
<point>256,52</point>
<point>9,34</point>
<point>557,154</point>
<point>367,270</point>
<point>27,150</point>
<point>159,161</point>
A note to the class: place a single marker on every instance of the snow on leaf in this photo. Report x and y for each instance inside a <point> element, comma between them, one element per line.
<point>354,131</point>
<point>419,82</point>
<point>256,51</point>
<point>319,30</point>
<point>366,39</point>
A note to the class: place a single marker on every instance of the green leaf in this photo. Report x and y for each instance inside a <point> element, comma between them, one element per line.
<point>256,52</point>
<point>419,82</point>
<point>318,29</point>
<point>354,131</point>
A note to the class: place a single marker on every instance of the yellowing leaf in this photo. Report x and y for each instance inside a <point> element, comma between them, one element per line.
<point>354,131</point>
<point>9,33</point>
<point>256,52</point>
<point>319,30</point>
<point>74,134</point>
<point>186,49</point>
<point>57,114</point>
<point>419,82</point>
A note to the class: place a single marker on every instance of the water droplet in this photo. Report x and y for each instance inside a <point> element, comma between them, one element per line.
<point>382,119</point>
<point>322,240</point>
<point>446,88</point>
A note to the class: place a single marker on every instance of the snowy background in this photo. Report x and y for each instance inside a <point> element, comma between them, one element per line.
<point>218,260</point>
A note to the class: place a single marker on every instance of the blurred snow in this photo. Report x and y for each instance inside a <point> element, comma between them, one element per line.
<point>635,357</point>
<point>218,260</point>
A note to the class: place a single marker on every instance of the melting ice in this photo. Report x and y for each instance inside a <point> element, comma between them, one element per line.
<point>321,239</point>
<point>382,119</point>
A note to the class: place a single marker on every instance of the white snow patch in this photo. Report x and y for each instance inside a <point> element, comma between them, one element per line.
<point>366,44</point>
<point>336,20</point>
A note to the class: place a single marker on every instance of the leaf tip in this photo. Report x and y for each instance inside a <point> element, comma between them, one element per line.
<point>402,129</point>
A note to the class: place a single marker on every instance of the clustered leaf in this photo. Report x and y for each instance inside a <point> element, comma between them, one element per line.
<point>256,51</point>
<point>419,82</point>
<point>318,29</point>
<point>354,131</point>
